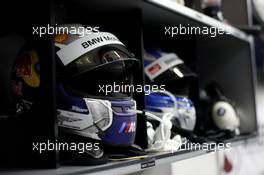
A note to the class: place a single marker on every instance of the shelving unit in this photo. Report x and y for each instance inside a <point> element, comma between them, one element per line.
<point>195,51</point>
<point>190,16</point>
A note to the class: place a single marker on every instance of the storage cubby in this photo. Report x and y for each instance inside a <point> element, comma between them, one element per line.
<point>229,62</point>
<point>126,25</point>
<point>224,59</point>
<point>39,124</point>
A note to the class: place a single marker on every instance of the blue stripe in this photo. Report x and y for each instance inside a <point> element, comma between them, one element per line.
<point>122,128</point>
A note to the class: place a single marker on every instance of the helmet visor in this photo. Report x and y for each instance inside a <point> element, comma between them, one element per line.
<point>113,61</point>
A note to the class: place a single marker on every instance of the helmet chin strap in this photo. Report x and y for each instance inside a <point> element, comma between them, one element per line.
<point>165,120</point>
<point>162,141</point>
<point>154,117</point>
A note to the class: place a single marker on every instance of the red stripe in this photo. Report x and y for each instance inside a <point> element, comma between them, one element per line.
<point>128,127</point>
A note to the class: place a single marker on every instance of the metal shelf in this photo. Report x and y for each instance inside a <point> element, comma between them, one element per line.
<point>191,16</point>
<point>244,140</point>
<point>122,167</point>
<point>129,166</point>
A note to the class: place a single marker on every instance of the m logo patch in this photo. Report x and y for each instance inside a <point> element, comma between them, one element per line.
<point>127,127</point>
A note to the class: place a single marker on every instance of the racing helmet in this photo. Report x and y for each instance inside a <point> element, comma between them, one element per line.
<point>83,60</point>
<point>100,54</point>
<point>223,111</point>
<point>167,68</point>
<point>183,116</point>
<point>25,81</point>
<point>225,116</point>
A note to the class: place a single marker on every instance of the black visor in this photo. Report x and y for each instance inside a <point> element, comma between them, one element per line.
<point>109,60</point>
